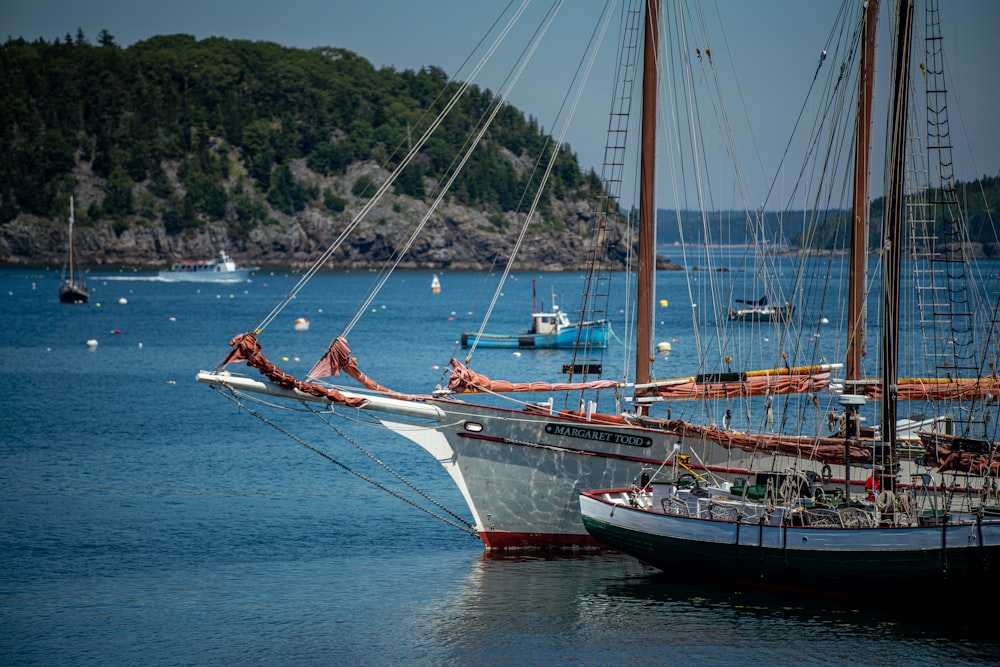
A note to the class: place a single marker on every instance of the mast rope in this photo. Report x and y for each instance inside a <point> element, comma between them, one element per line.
<point>458,521</point>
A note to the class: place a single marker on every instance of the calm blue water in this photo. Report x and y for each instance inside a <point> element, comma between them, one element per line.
<point>146,520</point>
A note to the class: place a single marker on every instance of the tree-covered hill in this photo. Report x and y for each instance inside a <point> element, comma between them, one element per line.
<point>265,148</point>
<point>176,147</point>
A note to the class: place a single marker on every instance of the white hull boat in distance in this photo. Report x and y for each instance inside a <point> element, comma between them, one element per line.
<point>222,269</point>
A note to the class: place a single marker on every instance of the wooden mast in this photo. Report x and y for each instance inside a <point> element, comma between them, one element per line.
<point>892,239</point>
<point>647,211</point>
<point>859,227</point>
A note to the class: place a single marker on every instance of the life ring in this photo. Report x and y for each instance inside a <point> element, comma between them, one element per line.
<point>826,473</point>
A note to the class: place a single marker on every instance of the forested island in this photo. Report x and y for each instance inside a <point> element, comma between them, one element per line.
<point>176,147</point>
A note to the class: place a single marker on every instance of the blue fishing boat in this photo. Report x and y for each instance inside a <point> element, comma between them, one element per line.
<point>550,329</point>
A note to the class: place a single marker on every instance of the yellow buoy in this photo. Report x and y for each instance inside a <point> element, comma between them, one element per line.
<point>663,303</point>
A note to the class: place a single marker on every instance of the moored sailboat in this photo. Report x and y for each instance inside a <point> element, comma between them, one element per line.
<point>520,464</point>
<point>803,532</point>
<point>72,288</point>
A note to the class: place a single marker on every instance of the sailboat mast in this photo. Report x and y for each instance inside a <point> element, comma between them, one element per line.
<point>647,179</point>
<point>893,228</point>
<point>72,250</point>
<point>860,211</point>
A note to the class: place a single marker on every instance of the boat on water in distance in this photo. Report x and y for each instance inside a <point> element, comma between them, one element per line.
<point>549,329</point>
<point>761,311</point>
<point>217,270</point>
<point>73,288</point>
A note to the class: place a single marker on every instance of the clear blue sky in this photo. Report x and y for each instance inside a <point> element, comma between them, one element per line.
<point>779,42</point>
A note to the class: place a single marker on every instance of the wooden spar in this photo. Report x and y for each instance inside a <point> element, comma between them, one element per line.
<point>893,232</point>
<point>647,211</point>
<point>860,211</point>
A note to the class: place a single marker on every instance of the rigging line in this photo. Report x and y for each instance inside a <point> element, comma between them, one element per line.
<point>455,173</point>
<point>370,204</point>
<point>672,127</point>
<point>754,222</point>
<point>235,398</point>
<point>798,120</point>
<point>484,118</point>
<point>386,467</point>
<point>556,148</point>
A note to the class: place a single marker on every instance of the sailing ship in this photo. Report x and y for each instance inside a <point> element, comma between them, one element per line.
<point>72,288</point>
<point>796,530</point>
<point>221,269</point>
<point>521,464</point>
<point>817,542</point>
<point>549,329</point>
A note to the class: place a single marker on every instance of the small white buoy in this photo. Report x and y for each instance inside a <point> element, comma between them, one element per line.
<point>140,344</point>
<point>663,347</point>
<point>92,343</point>
<point>824,320</point>
<point>123,301</point>
<point>302,324</point>
<point>517,354</point>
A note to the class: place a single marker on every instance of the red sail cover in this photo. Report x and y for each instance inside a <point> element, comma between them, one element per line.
<point>337,357</point>
<point>932,389</point>
<point>824,450</point>
<point>464,379</point>
<point>769,382</point>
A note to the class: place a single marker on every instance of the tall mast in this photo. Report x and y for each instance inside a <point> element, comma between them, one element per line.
<point>859,227</point>
<point>893,231</point>
<point>72,253</point>
<point>647,180</point>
